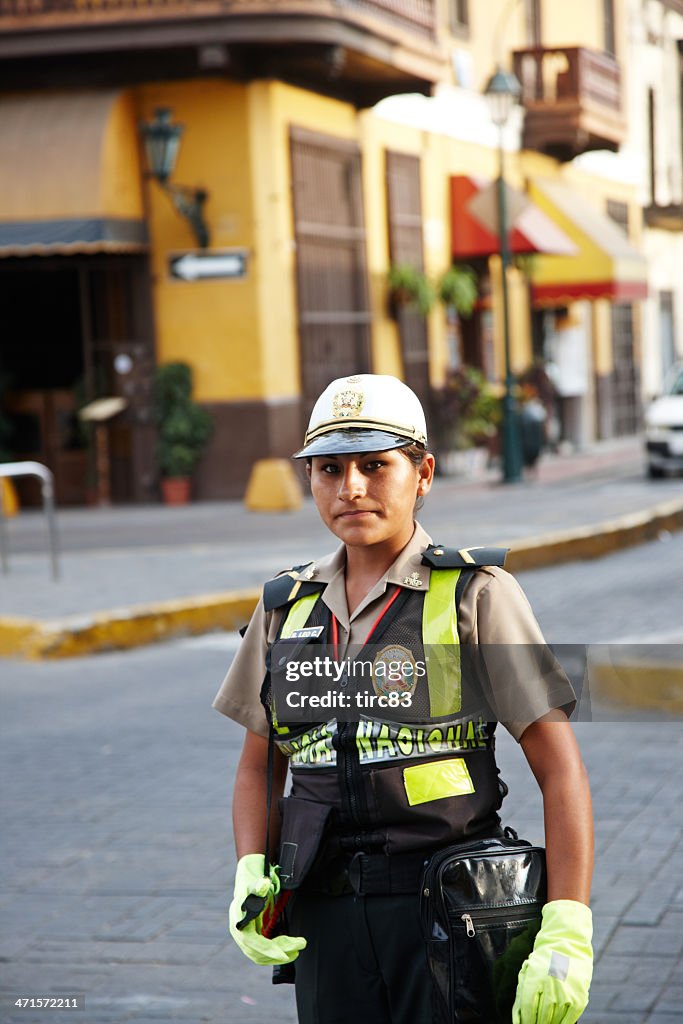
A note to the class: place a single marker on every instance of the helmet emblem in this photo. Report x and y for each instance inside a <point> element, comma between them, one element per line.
<point>347,403</point>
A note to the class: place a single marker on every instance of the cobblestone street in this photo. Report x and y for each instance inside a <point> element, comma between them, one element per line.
<point>117,847</point>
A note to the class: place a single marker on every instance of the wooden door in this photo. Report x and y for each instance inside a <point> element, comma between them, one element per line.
<point>332,287</point>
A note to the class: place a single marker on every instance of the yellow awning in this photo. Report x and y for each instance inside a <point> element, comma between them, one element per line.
<point>69,174</point>
<point>606,265</point>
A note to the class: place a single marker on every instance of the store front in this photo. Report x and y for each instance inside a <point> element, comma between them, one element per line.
<point>74,281</point>
<point>605,278</point>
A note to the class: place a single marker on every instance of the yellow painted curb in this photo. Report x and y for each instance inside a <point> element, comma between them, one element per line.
<point>126,627</point>
<point>594,541</point>
<point>17,636</point>
<point>641,681</point>
<point>131,627</point>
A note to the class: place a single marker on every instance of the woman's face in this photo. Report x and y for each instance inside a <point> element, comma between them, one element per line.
<point>369,498</point>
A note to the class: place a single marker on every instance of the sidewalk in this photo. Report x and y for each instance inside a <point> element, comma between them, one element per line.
<point>130,575</point>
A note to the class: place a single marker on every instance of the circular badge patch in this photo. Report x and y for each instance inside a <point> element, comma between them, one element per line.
<point>394,670</point>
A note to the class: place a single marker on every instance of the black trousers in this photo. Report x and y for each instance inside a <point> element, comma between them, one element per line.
<point>365,962</point>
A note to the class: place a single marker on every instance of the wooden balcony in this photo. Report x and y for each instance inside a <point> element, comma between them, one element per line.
<point>572,100</point>
<point>360,49</point>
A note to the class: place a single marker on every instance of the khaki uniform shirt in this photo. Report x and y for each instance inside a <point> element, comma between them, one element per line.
<point>493,611</point>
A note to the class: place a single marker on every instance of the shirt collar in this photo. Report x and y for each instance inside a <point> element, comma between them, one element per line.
<point>406,571</point>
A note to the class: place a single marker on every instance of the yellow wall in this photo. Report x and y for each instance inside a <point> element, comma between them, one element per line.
<point>602,337</point>
<point>573,24</point>
<point>241,336</point>
<point>120,191</point>
<point>213,324</point>
<point>498,27</point>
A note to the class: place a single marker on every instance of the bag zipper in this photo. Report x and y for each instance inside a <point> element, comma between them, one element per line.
<point>495,915</point>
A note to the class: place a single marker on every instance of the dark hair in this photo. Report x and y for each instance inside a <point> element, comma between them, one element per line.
<point>415,453</point>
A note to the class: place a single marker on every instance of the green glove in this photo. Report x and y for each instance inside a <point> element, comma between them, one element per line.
<point>250,880</point>
<point>554,980</point>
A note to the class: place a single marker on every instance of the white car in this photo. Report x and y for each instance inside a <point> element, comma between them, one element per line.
<point>664,427</point>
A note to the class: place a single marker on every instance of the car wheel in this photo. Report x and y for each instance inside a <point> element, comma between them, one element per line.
<point>655,472</point>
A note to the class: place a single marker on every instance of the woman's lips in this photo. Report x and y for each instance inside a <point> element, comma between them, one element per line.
<point>356,513</point>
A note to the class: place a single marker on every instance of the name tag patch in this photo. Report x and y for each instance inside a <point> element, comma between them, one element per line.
<point>307,633</point>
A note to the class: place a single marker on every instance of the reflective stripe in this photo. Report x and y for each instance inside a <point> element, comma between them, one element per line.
<point>439,638</point>
<point>298,615</point>
<point>442,643</point>
<point>437,780</point>
<point>296,619</point>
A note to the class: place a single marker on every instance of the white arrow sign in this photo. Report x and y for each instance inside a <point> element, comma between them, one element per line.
<point>194,265</point>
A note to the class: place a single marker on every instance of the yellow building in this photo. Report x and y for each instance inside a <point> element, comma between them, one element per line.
<point>327,141</point>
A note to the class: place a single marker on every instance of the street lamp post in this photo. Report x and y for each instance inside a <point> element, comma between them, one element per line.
<point>502,91</point>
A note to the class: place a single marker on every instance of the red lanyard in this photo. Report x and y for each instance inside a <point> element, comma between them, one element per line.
<point>335,625</point>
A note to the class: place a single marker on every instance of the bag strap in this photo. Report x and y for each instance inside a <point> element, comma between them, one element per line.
<point>269,798</point>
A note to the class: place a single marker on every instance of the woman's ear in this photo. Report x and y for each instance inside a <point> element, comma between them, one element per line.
<point>425,474</point>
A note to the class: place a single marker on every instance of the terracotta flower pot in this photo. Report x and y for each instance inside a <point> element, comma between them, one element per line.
<point>175,490</point>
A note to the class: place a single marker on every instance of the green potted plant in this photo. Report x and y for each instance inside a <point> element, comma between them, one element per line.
<point>467,413</point>
<point>457,288</point>
<point>410,286</point>
<point>184,430</point>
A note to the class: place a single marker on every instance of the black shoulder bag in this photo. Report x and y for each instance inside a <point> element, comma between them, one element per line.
<point>480,906</point>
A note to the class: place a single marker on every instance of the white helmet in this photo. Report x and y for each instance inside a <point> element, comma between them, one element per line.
<point>368,412</point>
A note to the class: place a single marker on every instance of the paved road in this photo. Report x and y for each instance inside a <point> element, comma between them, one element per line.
<point>118,557</point>
<point>116,842</point>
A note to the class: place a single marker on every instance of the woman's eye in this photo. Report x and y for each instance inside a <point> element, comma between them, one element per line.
<point>329,467</point>
<point>374,464</point>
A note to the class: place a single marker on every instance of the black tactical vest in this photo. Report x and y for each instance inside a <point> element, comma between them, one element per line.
<point>398,786</point>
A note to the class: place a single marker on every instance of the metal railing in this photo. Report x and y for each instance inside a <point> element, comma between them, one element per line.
<point>15,469</point>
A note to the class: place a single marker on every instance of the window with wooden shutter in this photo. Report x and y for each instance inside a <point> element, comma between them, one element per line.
<point>404,204</point>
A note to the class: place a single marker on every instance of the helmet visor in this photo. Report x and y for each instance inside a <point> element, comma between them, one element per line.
<point>349,442</point>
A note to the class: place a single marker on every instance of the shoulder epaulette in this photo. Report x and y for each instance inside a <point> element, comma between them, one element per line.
<point>287,588</point>
<point>438,557</point>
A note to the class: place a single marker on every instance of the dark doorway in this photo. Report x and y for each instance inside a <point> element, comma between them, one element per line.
<point>65,322</point>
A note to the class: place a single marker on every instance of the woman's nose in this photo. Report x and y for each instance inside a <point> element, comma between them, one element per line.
<point>351,483</point>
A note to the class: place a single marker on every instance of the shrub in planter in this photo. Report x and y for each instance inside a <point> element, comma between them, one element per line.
<point>467,411</point>
<point>184,428</point>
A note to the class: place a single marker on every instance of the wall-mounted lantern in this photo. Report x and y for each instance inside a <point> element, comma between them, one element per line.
<point>161,138</point>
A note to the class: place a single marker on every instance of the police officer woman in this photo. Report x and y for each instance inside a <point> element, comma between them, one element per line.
<point>371,798</point>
